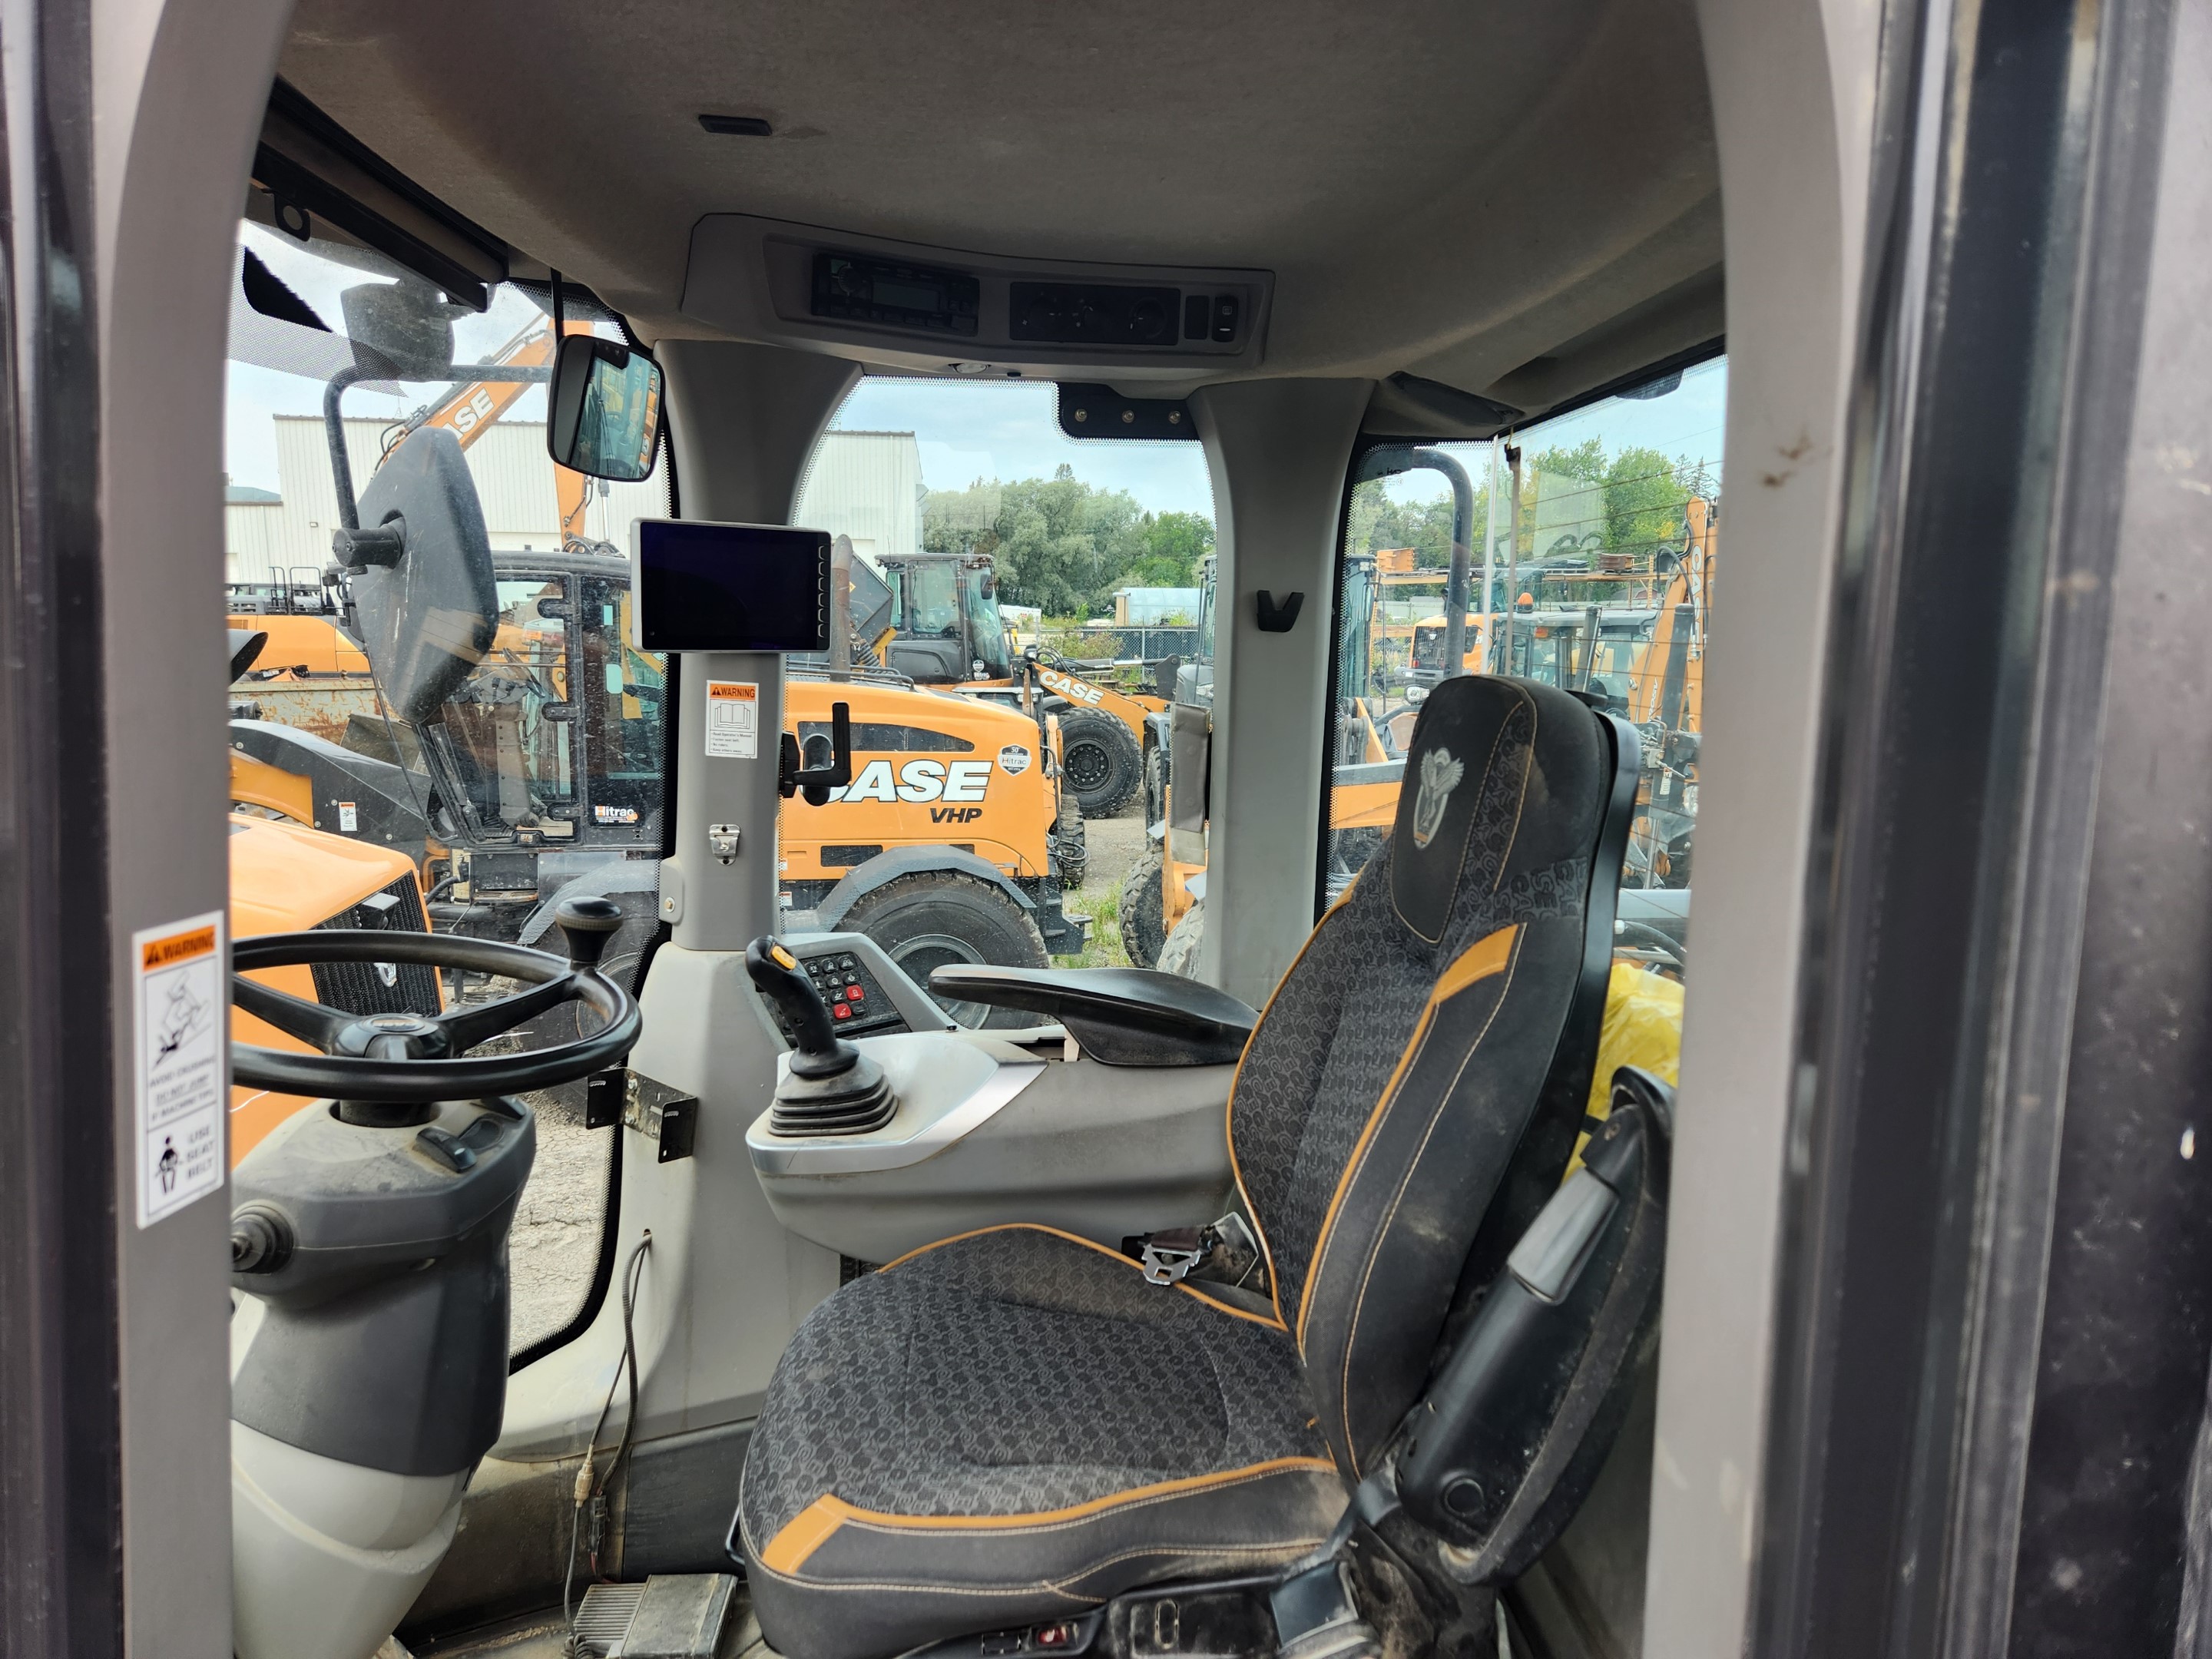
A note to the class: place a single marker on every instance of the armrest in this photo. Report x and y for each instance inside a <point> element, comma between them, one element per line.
<point>1122,1016</point>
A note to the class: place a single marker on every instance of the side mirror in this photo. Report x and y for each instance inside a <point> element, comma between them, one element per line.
<point>425,602</point>
<point>605,410</point>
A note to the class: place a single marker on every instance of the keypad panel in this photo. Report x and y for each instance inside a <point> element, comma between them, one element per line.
<point>858,1005</point>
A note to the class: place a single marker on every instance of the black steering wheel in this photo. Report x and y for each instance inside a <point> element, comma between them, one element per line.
<point>412,1059</point>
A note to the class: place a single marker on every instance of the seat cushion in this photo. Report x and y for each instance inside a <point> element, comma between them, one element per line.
<point>1012,1425</point>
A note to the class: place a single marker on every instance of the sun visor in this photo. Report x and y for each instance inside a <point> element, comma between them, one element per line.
<point>428,617</point>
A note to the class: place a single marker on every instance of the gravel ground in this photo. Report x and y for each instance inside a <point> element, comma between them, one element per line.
<point>556,1242</point>
<point>1113,844</point>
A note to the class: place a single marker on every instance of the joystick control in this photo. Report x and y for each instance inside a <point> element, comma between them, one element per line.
<point>831,1087</point>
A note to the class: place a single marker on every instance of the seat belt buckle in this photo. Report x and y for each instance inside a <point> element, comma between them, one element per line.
<point>1169,1256</point>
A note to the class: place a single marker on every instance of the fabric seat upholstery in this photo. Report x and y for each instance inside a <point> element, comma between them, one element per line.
<point>1099,1429</point>
<point>1013,1424</point>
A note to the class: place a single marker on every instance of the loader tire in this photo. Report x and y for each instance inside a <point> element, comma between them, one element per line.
<point>1144,907</point>
<point>1067,842</point>
<point>1099,762</point>
<point>1179,954</point>
<point>940,917</point>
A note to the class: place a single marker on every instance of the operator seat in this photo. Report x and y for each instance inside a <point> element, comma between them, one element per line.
<point>1013,1424</point>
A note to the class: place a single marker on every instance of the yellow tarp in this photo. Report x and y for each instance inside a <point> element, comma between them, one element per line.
<point>1643,1027</point>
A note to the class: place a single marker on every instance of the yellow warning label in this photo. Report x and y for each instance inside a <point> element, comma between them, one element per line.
<point>181,1014</point>
<point>732,719</point>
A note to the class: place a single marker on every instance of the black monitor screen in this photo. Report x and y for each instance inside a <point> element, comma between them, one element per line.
<point>729,587</point>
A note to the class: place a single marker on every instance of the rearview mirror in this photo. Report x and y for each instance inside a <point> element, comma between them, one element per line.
<point>606,410</point>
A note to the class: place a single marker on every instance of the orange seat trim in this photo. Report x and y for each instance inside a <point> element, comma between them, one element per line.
<point>816,1524</point>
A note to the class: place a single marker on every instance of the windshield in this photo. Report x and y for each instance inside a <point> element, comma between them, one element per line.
<point>932,597</point>
<point>987,634</point>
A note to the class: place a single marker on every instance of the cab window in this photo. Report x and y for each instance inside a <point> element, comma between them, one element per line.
<point>545,761</point>
<point>1023,564</point>
<point>1598,577</point>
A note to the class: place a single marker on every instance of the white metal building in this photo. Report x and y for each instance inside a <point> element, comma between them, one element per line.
<point>868,485</point>
<point>514,478</point>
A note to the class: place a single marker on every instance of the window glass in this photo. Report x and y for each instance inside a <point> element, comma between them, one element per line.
<point>1598,577</point>
<point>545,762</point>
<point>967,501</point>
<point>509,726</point>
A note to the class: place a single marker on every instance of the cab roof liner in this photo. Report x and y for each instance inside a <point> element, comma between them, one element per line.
<point>1515,203</point>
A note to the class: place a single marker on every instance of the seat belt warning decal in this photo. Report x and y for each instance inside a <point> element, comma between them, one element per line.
<point>732,719</point>
<point>180,1011</point>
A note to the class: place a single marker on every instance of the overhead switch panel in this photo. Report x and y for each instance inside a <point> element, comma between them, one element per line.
<point>938,309</point>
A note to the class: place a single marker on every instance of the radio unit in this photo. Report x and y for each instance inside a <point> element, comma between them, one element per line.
<point>865,290</point>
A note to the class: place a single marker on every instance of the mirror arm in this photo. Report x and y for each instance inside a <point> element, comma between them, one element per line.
<point>817,782</point>
<point>334,433</point>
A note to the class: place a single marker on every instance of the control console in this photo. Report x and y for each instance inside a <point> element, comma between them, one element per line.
<point>863,989</point>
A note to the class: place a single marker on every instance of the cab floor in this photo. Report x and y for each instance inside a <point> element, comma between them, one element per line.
<point>545,1636</point>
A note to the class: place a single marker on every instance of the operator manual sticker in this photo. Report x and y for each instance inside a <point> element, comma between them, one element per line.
<point>733,719</point>
<point>182,1009</point>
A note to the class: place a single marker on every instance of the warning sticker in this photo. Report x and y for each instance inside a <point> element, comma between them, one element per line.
<point>179,1016</point>
<point>732,719</point>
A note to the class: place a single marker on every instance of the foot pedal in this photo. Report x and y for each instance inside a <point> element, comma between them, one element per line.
<point>669,1616</point>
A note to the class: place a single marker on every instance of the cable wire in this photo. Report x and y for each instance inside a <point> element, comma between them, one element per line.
<point>587,1487</point>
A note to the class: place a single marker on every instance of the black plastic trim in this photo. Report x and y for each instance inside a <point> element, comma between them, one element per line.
<point>1122,1016</point>
<point>1915,905</point>
<point>296,181</point>
<point>61,1556</point>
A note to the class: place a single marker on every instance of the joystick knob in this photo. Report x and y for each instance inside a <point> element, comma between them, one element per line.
<point>588,927</point>
<point>778,976</point>
<point>830,1088</point>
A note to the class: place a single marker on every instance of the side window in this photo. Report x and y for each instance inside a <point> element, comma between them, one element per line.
<point>1004,717</point>
<point>509,727</point>
<point>1591,544</point>
<point>620,693</point>
<point>545,762</point>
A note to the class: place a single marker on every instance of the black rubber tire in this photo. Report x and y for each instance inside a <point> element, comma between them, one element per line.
<point>1179,954</point>
<point>939,916</point>
<point>1068,844</point>
<point>1143,909</point>
<point>1099,762</point>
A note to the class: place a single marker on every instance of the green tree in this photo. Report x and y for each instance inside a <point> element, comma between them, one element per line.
<point>1063,544</point>
<point>1173,544</point>
<point>1644,494</point>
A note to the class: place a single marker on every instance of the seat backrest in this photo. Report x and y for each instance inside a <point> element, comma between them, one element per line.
<point>1414,1087</point>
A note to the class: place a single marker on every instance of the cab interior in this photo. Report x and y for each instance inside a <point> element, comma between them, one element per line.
<point>1186,1312</point>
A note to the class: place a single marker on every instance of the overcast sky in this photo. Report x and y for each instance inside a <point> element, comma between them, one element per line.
<point>1008,429</point>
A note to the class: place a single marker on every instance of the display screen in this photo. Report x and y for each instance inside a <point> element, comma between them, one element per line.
<point>728,587</point>
<point>889,293</point>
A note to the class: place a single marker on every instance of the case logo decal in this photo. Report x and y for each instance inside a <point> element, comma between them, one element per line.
<point>1073,689</point>
<point>918,782</point>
